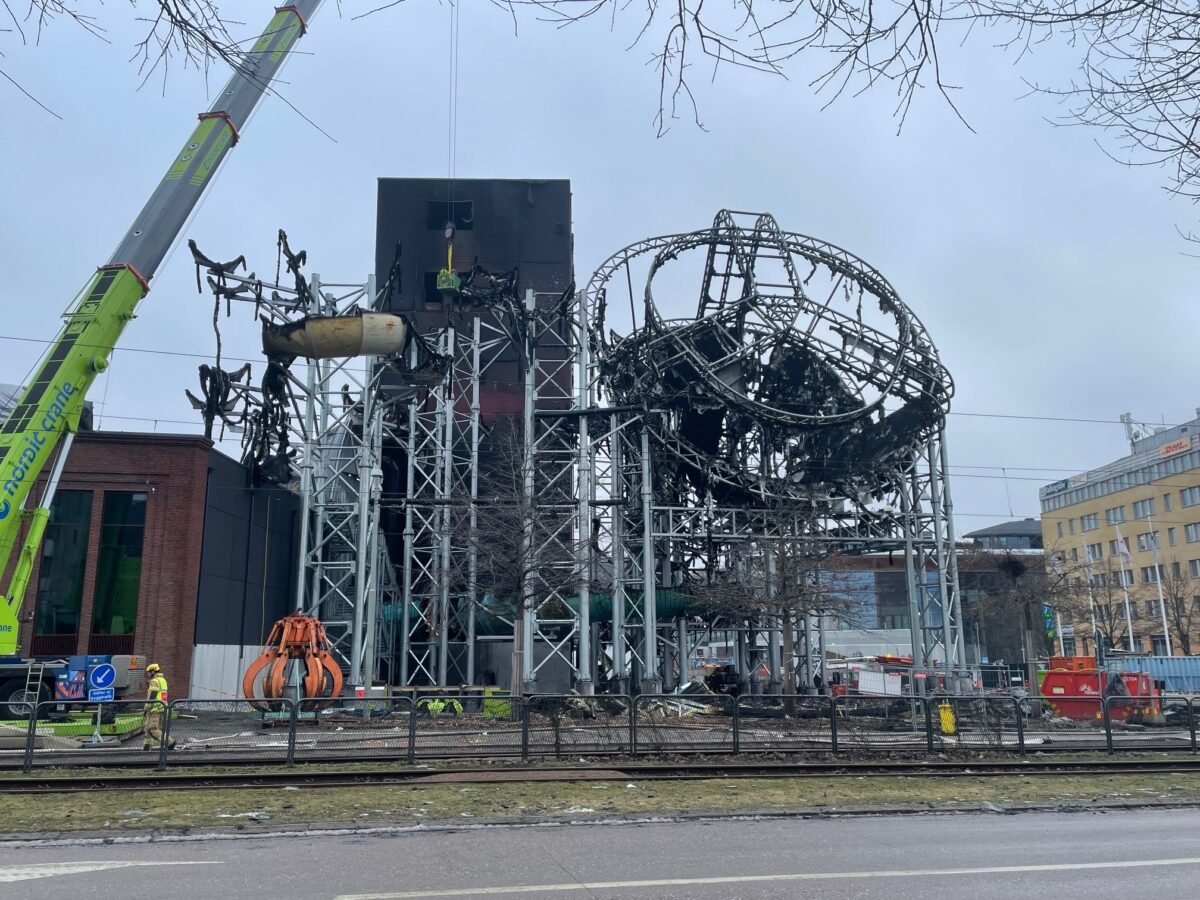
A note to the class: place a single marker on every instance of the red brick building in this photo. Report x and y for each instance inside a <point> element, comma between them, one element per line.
<point>127,567</point>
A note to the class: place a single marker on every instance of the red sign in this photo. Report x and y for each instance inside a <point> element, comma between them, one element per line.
<point>1175,447</point>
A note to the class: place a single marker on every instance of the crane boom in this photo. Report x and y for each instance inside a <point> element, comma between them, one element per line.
<point>47,411</point>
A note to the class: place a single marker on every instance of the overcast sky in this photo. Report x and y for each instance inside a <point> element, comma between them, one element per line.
<point>1051,279</point>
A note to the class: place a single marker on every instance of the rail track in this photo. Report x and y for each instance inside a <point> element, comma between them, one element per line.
<point>430,777</point>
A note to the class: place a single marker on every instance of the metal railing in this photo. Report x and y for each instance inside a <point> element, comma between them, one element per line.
<point>471,726</point>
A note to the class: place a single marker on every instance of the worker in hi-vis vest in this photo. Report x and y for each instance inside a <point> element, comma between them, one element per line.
<point>156,705</point>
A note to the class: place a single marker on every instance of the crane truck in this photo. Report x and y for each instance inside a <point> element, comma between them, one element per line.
<point>36,437</point>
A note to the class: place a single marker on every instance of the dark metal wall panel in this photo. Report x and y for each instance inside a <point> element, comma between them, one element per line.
<point>518,224</point>
<point>247,564</point>
<point>513,223</point>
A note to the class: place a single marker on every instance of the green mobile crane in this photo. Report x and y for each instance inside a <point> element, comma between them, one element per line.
<point>39,431</point>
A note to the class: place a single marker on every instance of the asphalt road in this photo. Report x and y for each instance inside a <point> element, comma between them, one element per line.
<point>1117,855</point>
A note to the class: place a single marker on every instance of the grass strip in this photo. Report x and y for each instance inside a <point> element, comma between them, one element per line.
<point>185,810</point>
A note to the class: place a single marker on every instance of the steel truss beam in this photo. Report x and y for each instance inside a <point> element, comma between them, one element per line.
<point>342,412</point>
<point>440,565</point>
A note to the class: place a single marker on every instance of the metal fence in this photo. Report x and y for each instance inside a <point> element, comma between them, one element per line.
<point>352,729</point>
<point>566,725</point>
<point>976,723</point>
<point>671,723</point>
<point>787,723</point>
<point>466,726</point>
<point>233,730</point>
<point>1150,723</point>
<point>873,724</point>
<point>77,733</point>
<point>471,726</point>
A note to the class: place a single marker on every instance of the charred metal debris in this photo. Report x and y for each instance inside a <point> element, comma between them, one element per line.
<point>296,321</point>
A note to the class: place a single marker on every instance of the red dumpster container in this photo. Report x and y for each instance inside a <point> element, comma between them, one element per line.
<point>1077,694</point>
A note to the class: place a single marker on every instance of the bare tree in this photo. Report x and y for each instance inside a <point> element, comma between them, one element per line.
<point>194,33</point>
<point>1136,67</point>
<point>1138,73</point>
<point>1179,601</point>
<point>787,578</point>
<point>1109,589</point>
<point>1027,586</point>
<point>515,549</point>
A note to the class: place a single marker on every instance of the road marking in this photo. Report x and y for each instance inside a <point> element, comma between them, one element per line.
<point>742,879</point>
<point>48,870</point>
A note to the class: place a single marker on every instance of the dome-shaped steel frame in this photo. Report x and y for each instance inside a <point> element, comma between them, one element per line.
<point>771,388</point>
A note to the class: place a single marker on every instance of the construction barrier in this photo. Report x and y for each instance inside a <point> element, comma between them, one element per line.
<point>689,723</point>
<point>1149,723</point>
<point>229,730</point>
<point>454,724</point>
<point>787,723</point>
<point>1063,723</point>
<point>77,733</point>
<point>352,728</point>
<point>569,725</point>
<point>975,723</point>
<point>869,724</point>
<point>474,726</point>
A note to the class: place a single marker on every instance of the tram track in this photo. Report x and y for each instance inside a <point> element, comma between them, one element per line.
<point>431,777</point>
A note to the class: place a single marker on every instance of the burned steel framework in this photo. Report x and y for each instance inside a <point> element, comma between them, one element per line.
<point>691,446</point>
<point>800,405</point>
<point>320,431</point>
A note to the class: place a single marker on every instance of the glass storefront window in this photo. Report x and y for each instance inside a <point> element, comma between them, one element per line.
<point>119,566</point>
<point>64,561</point>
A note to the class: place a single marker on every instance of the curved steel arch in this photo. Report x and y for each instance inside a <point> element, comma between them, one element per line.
<point>774,387</point>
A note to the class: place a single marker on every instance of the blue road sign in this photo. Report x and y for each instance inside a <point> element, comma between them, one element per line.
<point>102,676</point>
<point>100,695</point>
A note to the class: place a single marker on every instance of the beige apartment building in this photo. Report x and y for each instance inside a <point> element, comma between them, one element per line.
<point>1128,536</point>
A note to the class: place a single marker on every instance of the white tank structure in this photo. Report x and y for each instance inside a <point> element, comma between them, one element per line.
<point>335,337</point>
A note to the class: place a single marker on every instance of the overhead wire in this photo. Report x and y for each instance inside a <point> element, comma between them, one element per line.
<point>986,415</point>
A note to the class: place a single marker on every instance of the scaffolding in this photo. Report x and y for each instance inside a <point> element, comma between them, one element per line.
<point>645,465</point>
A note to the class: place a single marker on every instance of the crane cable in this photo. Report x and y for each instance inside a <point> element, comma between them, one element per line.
<point>452,131</point>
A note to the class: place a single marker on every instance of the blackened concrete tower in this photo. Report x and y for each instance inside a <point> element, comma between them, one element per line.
<point>499,224</point>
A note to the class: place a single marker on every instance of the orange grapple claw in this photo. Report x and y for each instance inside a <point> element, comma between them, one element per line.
<point>300,638</point>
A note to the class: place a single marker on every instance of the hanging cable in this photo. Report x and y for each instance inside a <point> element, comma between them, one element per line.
<point>452,110</point>
<point>448,281</point>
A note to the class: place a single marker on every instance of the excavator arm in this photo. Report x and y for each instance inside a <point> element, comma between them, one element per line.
<point>47,412</point>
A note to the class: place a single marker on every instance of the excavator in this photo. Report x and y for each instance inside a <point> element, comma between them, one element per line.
<point>36,437</point>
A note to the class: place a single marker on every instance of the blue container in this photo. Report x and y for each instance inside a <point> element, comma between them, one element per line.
<point>1180,674</point>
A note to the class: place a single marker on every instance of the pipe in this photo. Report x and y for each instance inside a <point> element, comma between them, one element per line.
<point>336,337</point>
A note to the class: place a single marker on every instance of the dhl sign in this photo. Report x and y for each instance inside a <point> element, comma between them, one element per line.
<point>1174,448</point>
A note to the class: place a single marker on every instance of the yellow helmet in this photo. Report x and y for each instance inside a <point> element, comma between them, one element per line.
<point>152,668</point>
